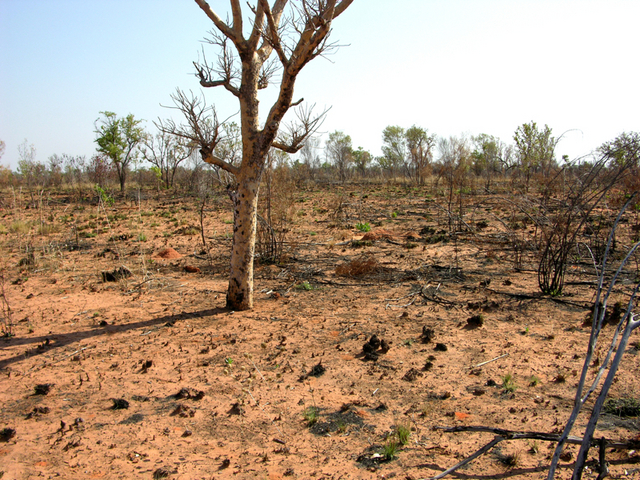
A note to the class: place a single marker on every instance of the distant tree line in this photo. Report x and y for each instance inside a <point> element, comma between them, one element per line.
<point>126,152</point>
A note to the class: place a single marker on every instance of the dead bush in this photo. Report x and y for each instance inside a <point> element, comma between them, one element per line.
<point>359,267</point>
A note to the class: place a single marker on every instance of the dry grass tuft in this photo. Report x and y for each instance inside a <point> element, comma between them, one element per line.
<point>359,267</point>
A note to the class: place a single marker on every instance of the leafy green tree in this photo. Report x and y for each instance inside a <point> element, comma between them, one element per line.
<point>394,149</point>
<point>489,156</point>
<point>624,150</point>
<point>535,149</point>
<point>340,152</point>
<point>361,160</point>
<point>409,150</point>
<point>119,139</point>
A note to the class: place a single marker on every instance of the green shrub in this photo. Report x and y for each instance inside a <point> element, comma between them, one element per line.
<point>509,383</point>
<point>363,227</point>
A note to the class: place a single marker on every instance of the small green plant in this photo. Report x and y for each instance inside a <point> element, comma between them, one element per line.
<point>142,237</point>
<point>310,415</point>
<point>228,361</point>
<point>394,214</point>
<point>305,286</point>
<point>390,449</point>
<point>363,227</point>
<point>361,243</point>
<point>403,432</point>
<point>533,381</point>
<point>509,383</point>
<point>104,196</point>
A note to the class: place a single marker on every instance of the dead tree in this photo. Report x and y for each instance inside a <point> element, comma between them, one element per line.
<point>282,39</point>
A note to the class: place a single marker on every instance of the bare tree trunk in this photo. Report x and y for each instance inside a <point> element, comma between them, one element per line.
<point>300,38</point>
<point>245,207</point>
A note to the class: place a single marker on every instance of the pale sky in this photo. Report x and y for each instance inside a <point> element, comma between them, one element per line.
<point>454,67</point>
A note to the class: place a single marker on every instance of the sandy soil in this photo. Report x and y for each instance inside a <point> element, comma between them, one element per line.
<point>146,375</point>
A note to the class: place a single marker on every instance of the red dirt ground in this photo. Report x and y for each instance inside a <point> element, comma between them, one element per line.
<point>212,393</point>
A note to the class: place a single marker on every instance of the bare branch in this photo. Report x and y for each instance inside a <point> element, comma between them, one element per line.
<point>225,73</point>
<point>220,25</point>
<point>202,128</point>
<point>237,18</point>
<point>271,34</point>
<point>267,72</point>
<point>211,159</point>
<point>293,139</point>
<point>316,20</point>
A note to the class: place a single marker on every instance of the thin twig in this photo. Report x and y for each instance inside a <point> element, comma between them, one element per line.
<point>489,361</point>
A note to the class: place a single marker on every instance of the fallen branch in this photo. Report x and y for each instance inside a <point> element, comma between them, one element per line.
<point>502,434</point>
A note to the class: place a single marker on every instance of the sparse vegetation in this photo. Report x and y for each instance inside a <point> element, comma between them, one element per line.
<point>324,300</point>
<point>509,383</point>
<point>363,227</point>
<point>310,415</point>
<point>403,432</point>
<point>390,449</point>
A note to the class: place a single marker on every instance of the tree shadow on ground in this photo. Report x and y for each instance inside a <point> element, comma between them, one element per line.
<point>49,343</point>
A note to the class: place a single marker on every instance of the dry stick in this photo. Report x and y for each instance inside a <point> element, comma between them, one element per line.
<point>484,449</point>
<point>415,297</point>
<point>489,361</point>
<point>581,459</point>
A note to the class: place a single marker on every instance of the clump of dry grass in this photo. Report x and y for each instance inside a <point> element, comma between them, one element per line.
<point>358,267</point>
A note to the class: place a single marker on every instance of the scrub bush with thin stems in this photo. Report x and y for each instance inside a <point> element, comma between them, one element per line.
<point>611,362</point>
